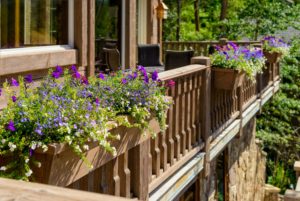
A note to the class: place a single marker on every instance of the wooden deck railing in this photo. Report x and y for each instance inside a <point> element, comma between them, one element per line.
<point>201,48</point>
<point>199,112</point>
<point>183,138</point>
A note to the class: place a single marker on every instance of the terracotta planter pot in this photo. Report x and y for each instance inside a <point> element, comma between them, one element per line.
<point>227,79</point>
<point>272,57</point>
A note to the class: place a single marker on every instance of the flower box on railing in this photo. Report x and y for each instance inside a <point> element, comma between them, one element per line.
<point>227,79</point>
<point>60,166</point>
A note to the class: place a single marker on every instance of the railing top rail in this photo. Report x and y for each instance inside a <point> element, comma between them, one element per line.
<point>178,72</point>
<point>209,42</point>
<point>19,190</point>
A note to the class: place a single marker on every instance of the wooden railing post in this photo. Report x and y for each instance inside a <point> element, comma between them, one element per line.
<point>205,102</point>
<point>240,108</point>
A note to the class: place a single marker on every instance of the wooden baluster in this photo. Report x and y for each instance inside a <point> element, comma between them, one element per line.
<point>199,94</point>
<point>163,151</point>
<point>84,183</point>
<point>139,166</point>
<point>110,183</point>
<point>171,128</point>
<point>189,113</point>
<point>183,112</point>
<point>97,180</point>
<point>155,156</point>
<point>124,174</point>
<point>193,109</point>
<point>177,118</point>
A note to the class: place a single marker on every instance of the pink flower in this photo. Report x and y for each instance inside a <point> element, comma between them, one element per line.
<point>171,83</point>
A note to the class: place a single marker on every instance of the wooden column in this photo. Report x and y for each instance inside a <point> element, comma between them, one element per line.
<point>91,38</point>
<point>130,34</point>
<point>17,23</point>
<point>80,31</point>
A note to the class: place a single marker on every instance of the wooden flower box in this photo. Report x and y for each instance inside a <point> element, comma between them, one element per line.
<point>227,79</point>
<point>61,166</point>
<point>272,57</point>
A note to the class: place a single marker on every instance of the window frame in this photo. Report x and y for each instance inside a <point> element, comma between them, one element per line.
<point>70,44</point>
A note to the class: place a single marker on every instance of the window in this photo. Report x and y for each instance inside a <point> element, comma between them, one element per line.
<point>27,23</point>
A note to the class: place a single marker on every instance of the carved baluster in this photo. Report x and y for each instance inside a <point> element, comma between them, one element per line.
<point>171,128</point>
<point>163,151</point>
<point>183,112</point>
<point>110,178</point>
<point>193,109</point>
<point>189,113</point>
<point>124,174</point>
<point>177,117</point>
<point>155,151</point>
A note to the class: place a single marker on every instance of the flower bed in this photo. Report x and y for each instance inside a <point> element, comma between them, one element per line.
<point>76,111</point>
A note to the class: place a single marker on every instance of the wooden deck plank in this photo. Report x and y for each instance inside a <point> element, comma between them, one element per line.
<point>25,191</point>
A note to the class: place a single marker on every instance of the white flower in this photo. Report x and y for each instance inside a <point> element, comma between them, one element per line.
<point>38,164</point>
<point>3,168</point>
<point>86,147</point>
<point>118,137</point>
<point>26,160</point>
<point>45,148</point>
<point>29,173</point>
<point>3,141</point>
<point>33,146</point>
<point>12,147</point>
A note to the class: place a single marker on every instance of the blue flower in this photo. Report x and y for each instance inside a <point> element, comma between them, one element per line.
<point>39,131</point>
<point>124,81</point>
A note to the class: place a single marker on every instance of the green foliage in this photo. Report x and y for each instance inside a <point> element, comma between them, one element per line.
<point>279,124</point>
<point>245,18</point>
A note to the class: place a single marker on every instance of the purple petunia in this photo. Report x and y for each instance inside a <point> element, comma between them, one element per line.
<point>31,152</point>
<point>14,82</point>
<point>76,75</point>
<point>124,81</point>
<point>14,98</point>
<point>73,68</point>
<point>84,80</point>
<point>154,76</point>
<point>101,76</point>
<point>11,126</point>
<point>97,101</point>
<point>57,73</point>
<point>28,78</point>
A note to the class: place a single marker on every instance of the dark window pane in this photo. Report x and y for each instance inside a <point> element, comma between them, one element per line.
<point>26,23</point>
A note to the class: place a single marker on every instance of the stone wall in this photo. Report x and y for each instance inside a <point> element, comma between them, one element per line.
<point>246,162</point>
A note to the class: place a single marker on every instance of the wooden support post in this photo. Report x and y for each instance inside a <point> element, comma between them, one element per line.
<point>240,106</point>
<point>205,116</point>
<point>17,23</point>
<point>91,38</point>
<point>140,165</point>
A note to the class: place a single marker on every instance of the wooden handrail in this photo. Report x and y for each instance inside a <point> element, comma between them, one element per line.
<point>26,191</point>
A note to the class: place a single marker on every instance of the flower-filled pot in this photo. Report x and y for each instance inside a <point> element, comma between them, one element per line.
<point>56,132</point>
<point>60,166</point>
<point>227,79</point>
<point>273,57</point>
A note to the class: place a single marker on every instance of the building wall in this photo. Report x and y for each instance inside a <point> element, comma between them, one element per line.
<point>246,169</point>
<point>247,166</point>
